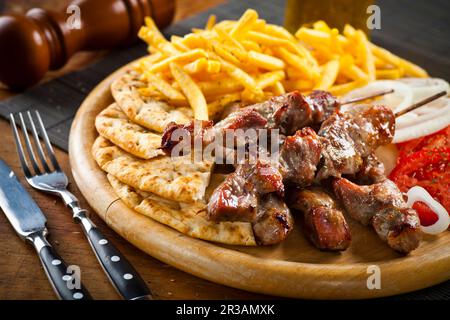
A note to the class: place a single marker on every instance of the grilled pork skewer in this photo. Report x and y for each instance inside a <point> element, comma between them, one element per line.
<point>381,205</point>
<point>288,113</point>
<point>324,224</point>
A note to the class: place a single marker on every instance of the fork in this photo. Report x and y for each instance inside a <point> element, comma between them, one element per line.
<point>51,179</point>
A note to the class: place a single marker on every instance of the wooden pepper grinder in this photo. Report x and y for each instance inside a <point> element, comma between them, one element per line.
<point>40,40</point>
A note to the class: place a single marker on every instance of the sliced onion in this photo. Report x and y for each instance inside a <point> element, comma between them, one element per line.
<point>400,99</point>
<point>420,194</point>
<point>425,87</point>
<point>428,111</point>
<point>421,125</point>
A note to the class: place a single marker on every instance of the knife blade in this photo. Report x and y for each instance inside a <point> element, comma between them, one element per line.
<point>20,209</point>
<point>29,222</point>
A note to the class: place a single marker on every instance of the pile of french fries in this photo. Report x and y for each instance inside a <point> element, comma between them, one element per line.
<point>250,60</point>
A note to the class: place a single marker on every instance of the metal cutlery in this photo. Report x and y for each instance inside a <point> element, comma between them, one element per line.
<point>49,177</point>
<point>29,223</point>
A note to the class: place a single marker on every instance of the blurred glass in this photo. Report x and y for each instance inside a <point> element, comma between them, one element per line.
<point>336,13</point>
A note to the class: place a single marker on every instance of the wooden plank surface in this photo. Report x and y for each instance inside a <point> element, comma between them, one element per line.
<point>21,276</point>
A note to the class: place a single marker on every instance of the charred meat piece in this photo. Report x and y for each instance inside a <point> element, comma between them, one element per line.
<point>325,225</point>
<point>235,199</point>
<point>381,205</point>
<point>174,134</point>
<point>273,220</point>
<point>253,193</point>
<point>299,156</point>
<point>372,171</point>
<point>349,138</point>
<point>293,111</point>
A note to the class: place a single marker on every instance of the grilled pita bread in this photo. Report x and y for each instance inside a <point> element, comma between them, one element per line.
<point>114,125</point>
<point>187,218</point>
<point>148,112</point>
<point>174,178</point>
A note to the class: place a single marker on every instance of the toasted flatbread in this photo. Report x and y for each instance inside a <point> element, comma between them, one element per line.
<point>114,125</point>
<point>174,178</point>
<point>148,112</point>
<point>187,218</point>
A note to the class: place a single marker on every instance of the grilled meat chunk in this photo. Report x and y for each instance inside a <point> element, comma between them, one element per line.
<point>274,220</point>
<point>299,156</point>
<point>253,193</point>
<point>324,224</point>
<point>349,138</point>
<point>372,171</point>
<point>381,205</point>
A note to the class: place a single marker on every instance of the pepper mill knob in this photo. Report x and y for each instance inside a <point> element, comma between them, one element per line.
<point>43,40</point>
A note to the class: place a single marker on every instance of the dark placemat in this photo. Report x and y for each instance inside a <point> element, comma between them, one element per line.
<point>416,30</point>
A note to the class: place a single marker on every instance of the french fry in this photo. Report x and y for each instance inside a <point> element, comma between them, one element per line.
<point>244,24</point>
<point>278,88</point>
<point>182,57</point>
<point>368,62</point>
<point>211,22</point>
<point>329,74</point>
<point>192,92</point>
<point>163,86</point>
<point>299,63</point>
<point>389,74</point>
<point>410,68</point>
<point>219,87</point>
<point>224,36</point>
<point>265,61</point>
<point>341,89</point>
<point>269,79</point>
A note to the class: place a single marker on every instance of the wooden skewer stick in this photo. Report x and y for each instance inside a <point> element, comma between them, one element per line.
<point>374,95</point>
<point>421,103</point>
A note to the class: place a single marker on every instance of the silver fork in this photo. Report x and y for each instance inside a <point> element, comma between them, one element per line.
<point>53,180</point>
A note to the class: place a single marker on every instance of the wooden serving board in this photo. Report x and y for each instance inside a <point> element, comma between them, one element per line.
<point>293,268</point>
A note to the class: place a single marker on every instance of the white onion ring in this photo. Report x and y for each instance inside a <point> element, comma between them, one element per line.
<point>425,87</point>
<point>400,99</point>
<point>420,194</point>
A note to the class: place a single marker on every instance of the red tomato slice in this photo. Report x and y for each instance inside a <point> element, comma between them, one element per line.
<point>429,169</point>
<point>439,139</point>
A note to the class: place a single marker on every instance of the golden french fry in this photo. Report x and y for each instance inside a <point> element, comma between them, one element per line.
<point>278,88</point>
<point>211,22</point>
<point>299,63</point>
<point>244,24</point>
<point>389,74</point>
<point>224,36</point>
<point>329,74</point>
<point>409,68</point>
<point>368,62</point>
<point>182,57</point>
<point>163,86</point>
<point>269,79</point>
<point>218,87</point>
<point>192,92</point>
<point>301,85</point>
<point>341,89</point>
<point>265,61</point>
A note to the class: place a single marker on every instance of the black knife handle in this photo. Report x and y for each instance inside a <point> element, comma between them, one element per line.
<point>64,282</point>
<point>120,272</point>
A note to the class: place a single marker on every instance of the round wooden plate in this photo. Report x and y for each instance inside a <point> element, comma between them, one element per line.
<point>293,268</point>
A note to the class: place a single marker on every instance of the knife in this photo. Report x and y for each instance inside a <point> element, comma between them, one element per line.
<point>29,222</point>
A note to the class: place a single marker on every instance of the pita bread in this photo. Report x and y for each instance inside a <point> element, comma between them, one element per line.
<point>174,178</point>
<point>186,218</point>
<point>114,125</point>
<point>148,112</point>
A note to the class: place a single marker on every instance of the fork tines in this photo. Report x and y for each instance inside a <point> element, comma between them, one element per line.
<point>38,131</point>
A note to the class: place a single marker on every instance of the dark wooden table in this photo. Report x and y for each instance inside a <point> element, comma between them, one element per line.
<point>21,275</point>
